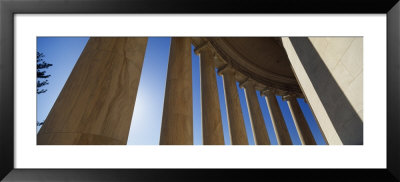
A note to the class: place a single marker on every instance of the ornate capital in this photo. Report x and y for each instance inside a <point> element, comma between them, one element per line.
<point>226,68</point>
<point>268,91</point>
<point>289,96</point>
<point>248,82</point>
<point>205,46</point>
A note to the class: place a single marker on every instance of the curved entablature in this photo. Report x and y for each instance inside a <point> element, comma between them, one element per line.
<point>262,59</point>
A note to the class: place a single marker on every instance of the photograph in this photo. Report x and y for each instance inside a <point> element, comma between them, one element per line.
<point>199,90</point>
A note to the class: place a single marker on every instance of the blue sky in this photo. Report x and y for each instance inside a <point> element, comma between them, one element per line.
<point>63,52</point>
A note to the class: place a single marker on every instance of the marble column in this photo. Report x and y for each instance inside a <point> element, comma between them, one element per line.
<point>257,120</point>
<point>330,92</point>
<point>278,121</point>
<point>235,117</point>
<point>210,108</point>
<point>316,120</point>
<point>177,119</point>
<point>96,103</point>
<point>302,127</point>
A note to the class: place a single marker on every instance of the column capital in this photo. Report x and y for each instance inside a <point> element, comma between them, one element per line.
<point>206,46</point>
<point>246,83</point>
<point>289,96</point>
<point>268,91</point>
<point>226,68</point>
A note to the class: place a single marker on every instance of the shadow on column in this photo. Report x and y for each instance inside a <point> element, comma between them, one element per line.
<point>345,119</point>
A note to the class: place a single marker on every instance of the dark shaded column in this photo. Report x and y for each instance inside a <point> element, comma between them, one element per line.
<point>339,121</point>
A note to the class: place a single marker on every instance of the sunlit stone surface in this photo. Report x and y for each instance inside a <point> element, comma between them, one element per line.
<point>96,104</point>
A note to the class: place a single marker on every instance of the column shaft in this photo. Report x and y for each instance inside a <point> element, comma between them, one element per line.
<point>177,119</point>
<point>257,120</point>
<point>235,117</point>
<point>338,112</point>
<point>96,103</point>
<point>278,121</point>
<point>210,108</point>
<point>302,127</point>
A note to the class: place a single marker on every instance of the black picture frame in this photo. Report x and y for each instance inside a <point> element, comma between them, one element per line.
<point>9,8</point>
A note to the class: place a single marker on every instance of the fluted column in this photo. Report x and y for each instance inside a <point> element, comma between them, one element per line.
<point>278,121</point>
<point>302,127</point>
<point>210,108</point>
<point>96,103</point>
<point>235,117</point>
<point>257,120</point>
<point>177,119</point>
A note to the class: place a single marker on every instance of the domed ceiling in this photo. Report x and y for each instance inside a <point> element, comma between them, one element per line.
<point>261,58</point>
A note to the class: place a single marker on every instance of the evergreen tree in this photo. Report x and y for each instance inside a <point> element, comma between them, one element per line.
<point>41,64</point>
